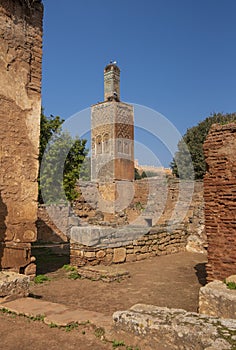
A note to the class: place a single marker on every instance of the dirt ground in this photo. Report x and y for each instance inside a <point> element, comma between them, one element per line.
<point>171,281</point>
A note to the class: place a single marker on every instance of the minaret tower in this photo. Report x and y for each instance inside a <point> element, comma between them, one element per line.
<point>112,82</point>
<point>112,134</point>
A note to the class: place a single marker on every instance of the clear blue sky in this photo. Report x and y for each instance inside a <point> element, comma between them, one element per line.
<point>177,57</point>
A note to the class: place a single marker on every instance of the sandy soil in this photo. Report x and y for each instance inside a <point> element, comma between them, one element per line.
<point>171,281</point>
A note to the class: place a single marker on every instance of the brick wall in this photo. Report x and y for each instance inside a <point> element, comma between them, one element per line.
<point>20,106</point>
<point>220,201</point>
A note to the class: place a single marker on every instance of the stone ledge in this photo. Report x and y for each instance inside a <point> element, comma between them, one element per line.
<point>177,328</point>
<point>215,299</point>
<point>103,273</point>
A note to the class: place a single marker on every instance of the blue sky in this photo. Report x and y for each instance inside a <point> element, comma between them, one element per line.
<point>177,57</point>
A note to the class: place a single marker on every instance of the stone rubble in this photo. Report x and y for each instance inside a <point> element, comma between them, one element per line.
<point>176,328</point>
<point>13,284</point>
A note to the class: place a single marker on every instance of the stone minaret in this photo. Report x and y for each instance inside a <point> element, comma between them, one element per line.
<point>112,134</point>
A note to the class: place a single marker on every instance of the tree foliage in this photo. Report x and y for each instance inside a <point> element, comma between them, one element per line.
<point>61,157</point>
<point>138,175</point>
<point>48,127</point>
<point>192,144</point>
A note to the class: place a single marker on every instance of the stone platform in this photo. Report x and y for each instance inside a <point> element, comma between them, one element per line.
<point>105,274</point>
<point>54,313</point>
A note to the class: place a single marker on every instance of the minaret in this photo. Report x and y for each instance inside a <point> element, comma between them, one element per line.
<point>112,134</point>
<point>112,82</point>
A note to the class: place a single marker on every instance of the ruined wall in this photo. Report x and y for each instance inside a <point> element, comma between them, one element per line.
<point>20,106</point>
<point>109,239</point>
<point>220,200</point>
<point>162,328</point>
<point>112,246</point>
<point>154,198</point>
<point>52,223</point>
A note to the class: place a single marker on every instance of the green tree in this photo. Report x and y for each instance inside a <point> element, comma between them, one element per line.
<point>61,157</point>
<point>137,176</point>
<point>192,144</point>
<point>48,127</point>
<point>85,170</point>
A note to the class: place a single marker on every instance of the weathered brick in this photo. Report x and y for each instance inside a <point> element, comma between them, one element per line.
<point>219,195</point>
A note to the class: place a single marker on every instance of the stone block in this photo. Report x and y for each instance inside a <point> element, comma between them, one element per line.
<point>101,254</point>
<point>30,270</point>
<point>131,257</point>
<point>215,299</point>
<point>13,284</point>
<point>119,255</point>
<point>89,255</point>
<point>143,256</point>
<point>15,255</point>
<point>107,260</point>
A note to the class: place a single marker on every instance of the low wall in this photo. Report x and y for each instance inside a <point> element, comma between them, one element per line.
<point>107,238</point>
<point>110,248</point>
<point>162,328</point>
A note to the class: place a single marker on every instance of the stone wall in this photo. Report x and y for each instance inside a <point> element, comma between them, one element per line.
<point>107,246</point>
<point>220,202</point>
<point>20,106</point>
<point>161,328</point>
<point>105,238</point>
<point>52,223</point>
<point>216,299</point>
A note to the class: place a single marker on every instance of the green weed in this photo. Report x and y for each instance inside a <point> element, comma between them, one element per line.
<point>53,325</point>
<point>41,279</point>
<point>231,285</point>
<point>37,318</point>
<point>71,326</point>
<point>69,268</point>
<point>74,275</point>
<point>117,343</point>
<point>99,332</point>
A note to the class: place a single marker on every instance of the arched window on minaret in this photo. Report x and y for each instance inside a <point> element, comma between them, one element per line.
<point>120,146</point>
<point>126,147</point>
<point>106,145</point>
<point>98,144</point>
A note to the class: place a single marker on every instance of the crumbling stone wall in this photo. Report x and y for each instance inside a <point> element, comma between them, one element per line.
<point>52,223</point>
<point>20,106</point>
<point>162,328</point>
<point>113,241</point>
<point>151,198</point>
<point>220,201</point>
<point>111,246</point>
